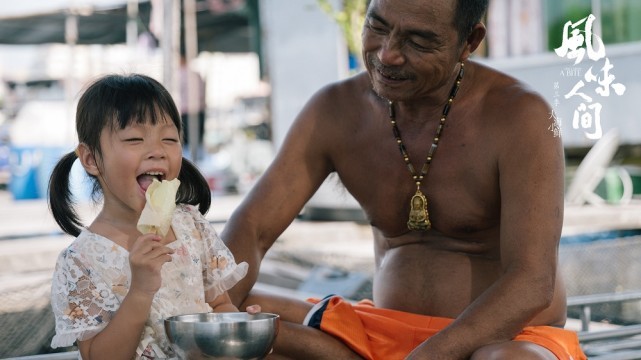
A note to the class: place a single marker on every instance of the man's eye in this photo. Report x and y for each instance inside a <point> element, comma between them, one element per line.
<point>376,28</point>
<point>420,47</point>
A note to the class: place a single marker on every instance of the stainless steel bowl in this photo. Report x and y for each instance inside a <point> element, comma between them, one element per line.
<point>222,335</point>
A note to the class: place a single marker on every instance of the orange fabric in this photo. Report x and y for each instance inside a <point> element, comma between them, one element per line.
<point>383,334</point>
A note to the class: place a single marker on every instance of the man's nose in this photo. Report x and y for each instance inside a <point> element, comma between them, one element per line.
<point>391,52</point>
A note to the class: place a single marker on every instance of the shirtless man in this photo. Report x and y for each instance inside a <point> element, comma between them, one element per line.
<point>494,190</point>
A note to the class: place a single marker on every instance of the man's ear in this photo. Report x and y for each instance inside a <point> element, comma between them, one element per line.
<point>473,40</point>
<point>87,159</point>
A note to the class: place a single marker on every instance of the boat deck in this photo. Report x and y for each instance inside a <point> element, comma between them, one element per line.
<point>31,242</point>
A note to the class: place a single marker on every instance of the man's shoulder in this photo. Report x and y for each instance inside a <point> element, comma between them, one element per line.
<point>503,93</point>
<point>348,88</point>
<point>341,99</point>
<point>507,106</point>
<point>501,86</point>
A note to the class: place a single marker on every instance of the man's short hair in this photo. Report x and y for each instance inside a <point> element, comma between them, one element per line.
<point>468,13</point>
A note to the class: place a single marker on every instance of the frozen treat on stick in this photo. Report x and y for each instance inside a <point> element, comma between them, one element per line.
<point>161,202</point>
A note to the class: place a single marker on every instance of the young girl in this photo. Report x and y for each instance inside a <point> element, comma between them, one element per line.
<point>113,286</point>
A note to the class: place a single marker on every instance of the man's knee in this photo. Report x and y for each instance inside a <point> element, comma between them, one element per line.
<point>510,350</point>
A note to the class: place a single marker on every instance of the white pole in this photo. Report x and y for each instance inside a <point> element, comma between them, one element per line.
<point>169,43</point>
<point>71,38</point>
<point>132,24</point>
<point>193,89</point>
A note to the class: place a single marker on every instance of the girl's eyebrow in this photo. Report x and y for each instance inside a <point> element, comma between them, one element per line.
<point>167,124</point>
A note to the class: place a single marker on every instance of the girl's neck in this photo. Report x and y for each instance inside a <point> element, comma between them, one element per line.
<point>121,232</point>
<point>115,229</point>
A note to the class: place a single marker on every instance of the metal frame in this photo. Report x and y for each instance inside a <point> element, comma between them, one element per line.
<point>621,343</point>
<point>587,301</point>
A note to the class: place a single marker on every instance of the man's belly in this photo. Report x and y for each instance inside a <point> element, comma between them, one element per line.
<point>417,279</point>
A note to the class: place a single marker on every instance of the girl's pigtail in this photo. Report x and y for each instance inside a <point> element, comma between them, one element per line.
<point>194,189</point>
<point>61,201</point>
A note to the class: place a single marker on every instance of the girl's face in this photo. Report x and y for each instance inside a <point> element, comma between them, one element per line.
<point>131,158</point>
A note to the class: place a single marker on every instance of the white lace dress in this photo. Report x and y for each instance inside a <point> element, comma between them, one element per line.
<point>92,277</point>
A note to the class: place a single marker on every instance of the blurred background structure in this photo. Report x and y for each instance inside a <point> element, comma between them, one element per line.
<point>257,63</point>
<point>256,67</point>
<point>49,54</point>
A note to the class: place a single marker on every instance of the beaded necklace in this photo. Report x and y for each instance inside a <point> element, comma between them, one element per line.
<point>419,217</point>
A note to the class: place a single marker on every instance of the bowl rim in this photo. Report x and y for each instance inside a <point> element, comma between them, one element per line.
<point>261,316</point>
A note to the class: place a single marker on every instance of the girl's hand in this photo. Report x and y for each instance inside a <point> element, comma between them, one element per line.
<point>146,258</point>
<point>255,309</point>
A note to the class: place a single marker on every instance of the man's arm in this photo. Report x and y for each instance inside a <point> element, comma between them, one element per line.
<point>530,163</point>
<point>276,199</point>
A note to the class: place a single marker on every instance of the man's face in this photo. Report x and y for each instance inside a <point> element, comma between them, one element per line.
<point>410,47</point>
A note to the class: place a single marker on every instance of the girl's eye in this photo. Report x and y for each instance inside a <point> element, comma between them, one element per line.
<point>133,139</point>
<point>171,140</point>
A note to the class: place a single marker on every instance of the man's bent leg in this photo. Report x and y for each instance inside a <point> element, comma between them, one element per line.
<point>509,350</point>
<point>295,341</point>
<point>289,309</point>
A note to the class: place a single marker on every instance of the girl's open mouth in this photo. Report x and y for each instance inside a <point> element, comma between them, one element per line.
<point>144,180</point>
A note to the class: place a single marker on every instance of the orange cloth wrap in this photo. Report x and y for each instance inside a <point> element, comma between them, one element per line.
<point>383,334</point>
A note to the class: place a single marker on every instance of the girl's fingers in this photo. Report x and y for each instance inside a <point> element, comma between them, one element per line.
<point>160,251</point>
<point>143,239</point>
<point>253,309</point>
<point>156,257</point>
<point>147,244</point>
<point>150,253</point>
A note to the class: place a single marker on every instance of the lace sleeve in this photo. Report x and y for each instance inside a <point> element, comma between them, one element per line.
<point>220,271</point>
<point>82,304</point>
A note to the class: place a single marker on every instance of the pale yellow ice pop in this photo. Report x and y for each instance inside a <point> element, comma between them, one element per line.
<point>159,209</point>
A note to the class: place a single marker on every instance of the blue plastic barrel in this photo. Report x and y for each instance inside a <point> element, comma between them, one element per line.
<point>23,166</point>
